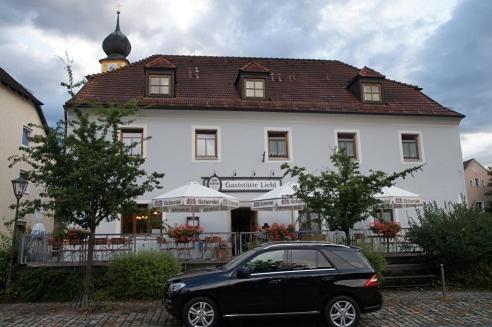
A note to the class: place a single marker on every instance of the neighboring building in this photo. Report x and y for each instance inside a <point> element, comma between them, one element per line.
<point>18,109</point>
<point>241,118</point>
<point>477,184</point>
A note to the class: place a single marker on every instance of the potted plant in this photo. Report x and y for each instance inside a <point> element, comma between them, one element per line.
<point>280,232</point>
<point>185,233</point>
<point>386,229</point>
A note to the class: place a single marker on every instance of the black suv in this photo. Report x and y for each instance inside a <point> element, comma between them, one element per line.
<point>276,279</point>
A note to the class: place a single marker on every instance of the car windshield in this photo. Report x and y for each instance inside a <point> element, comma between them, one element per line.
<point>234,262</point>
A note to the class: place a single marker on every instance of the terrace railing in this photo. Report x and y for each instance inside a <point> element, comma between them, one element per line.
<point>205,247</point>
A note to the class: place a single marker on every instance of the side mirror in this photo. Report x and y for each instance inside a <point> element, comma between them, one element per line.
<point>243,272</point>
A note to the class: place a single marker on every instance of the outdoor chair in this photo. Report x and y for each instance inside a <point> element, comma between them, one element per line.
<point>211,245</point>
<point>119,245</point>
<point>100,248</point>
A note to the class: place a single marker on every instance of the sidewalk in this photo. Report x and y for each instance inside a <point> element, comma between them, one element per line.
<point>402,308</point>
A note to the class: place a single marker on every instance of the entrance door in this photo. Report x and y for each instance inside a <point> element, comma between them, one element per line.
<point>243,224</point>
<point>243,220</point>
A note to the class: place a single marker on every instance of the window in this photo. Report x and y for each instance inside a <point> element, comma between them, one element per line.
<point>471,182</point>
<point>371,92</point>
<point>347,259</point>
<point>347,143</point>
<point>479,205</point>
<point>265,262</point>
<point>193,221</point>
<point>254,88</point>
<point>306,259</point>
<point>133,137</point>
<point>26,133</point>
<point>205,144</point>
<point>410,147</point>
<point>483,183</point>
<point>278,145</point>
<point>160,85</point>
<point>385,215</point>
<point>476,182</point>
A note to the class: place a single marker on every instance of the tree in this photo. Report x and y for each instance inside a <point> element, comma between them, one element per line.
<point>87,175</point>
<point>344,196</point>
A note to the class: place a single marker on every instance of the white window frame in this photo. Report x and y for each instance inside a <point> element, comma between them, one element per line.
<point>290,149</point>
<point>22,136</point>
<point>357,141</point>
<point>219,143</point>
<point>420,146</point>
<point>143,127</point>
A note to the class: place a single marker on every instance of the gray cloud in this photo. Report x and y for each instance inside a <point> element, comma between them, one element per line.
<point>456,64</point>
<point>452,64</point>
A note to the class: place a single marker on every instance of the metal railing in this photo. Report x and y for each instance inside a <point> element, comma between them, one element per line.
<point>205,247</point>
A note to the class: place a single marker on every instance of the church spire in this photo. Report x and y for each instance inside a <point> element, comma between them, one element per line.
<point>117,47</point>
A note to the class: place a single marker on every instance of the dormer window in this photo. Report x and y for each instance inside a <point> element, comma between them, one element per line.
<point>254,88</point>
<point>371,92</point>
<point>160,85</point>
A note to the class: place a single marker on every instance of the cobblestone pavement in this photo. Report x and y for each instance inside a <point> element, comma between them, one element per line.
<point>402,308</point>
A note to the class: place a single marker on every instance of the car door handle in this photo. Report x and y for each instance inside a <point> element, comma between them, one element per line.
<point>275,281</point>
<point>328,278</point>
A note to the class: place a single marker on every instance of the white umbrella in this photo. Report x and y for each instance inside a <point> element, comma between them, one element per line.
<point>397,197</point>
<point>194,197</point>
<point>280,198</point>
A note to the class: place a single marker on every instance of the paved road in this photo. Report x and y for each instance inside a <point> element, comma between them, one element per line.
<point>402,308</point>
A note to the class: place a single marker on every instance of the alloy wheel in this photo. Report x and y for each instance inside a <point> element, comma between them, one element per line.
<point>201,314</point>
<point>343,314</point>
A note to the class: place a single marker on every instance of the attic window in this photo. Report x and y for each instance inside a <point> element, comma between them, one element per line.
<point>160,85</point>
<point>371,92</point>
<point>254,88</point>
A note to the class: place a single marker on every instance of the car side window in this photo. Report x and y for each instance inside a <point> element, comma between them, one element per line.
<point>305,259</point>
<point>270,261</point>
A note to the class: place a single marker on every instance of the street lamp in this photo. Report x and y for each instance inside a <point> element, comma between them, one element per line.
<point>19,185</point>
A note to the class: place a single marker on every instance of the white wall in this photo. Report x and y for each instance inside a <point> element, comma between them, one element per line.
<point>313,137</point>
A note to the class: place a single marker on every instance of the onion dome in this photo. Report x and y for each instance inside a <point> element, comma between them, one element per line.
<point>116,45</point>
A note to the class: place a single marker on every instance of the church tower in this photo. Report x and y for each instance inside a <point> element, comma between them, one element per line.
<point>117,48</point>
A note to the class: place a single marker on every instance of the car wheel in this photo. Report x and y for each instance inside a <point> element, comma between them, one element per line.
<point>342,311</point>
<point>200,312</point>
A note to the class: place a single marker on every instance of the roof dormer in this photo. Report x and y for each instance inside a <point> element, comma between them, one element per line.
<point>160,78</point>
<point>367,86</point>
<point>252,81</point>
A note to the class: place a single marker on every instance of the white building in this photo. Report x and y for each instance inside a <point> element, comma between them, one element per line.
<point>241,118</point>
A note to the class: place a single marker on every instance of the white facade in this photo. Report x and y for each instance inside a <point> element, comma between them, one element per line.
<point>242,141</point>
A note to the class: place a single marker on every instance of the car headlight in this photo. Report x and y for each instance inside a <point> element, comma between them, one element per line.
<point>176,287</point>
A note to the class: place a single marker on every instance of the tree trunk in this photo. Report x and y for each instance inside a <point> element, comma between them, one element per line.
<point>86,298</point>
<point>347,236</point>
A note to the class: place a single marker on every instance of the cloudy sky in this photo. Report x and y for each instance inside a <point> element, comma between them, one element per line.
<point>444,46</point>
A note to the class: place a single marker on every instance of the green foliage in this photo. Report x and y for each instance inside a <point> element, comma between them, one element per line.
<point>44,284</point>
<point>375,257</point>
<point>342,196</point>
<point>457,236</point>
<point>4,260</point>
<point>141,275</point>
<point>454,235</point>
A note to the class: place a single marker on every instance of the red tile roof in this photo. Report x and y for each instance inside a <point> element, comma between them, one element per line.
<point>254,67</point>
<point>160,62</point>
<point>299,85</point>
<point>369,72</point>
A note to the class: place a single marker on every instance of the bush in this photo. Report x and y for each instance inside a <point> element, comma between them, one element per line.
<point>4,261</point>
<point>44,284</point>
<point>141,275</point>
<point>376,258</point>
<point>458,237</point>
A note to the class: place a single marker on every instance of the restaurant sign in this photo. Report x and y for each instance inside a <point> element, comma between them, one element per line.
<point>242,184</point>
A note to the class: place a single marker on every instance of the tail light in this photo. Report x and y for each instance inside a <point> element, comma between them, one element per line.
<point>372,282</point>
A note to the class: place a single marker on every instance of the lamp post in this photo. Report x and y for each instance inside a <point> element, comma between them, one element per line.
<point>19,185</point>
